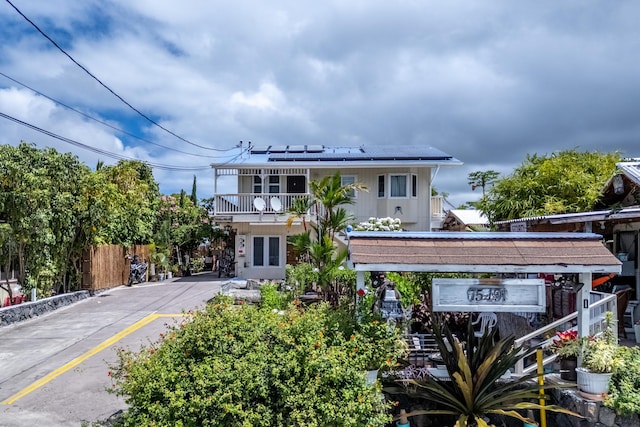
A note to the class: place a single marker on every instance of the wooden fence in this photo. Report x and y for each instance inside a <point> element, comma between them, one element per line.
<point>107,266</point>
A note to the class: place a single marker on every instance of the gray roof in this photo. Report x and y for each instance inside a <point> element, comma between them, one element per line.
<point>360,156</point>
<point>631,169</point>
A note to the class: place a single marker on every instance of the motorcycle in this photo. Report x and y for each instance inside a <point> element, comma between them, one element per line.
<point>137,272</point>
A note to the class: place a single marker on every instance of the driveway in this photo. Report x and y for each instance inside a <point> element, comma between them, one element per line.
<point>54,369</point>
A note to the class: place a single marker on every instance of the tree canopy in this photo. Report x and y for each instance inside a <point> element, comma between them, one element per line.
<point>563,182</point>
<point>52,207</point>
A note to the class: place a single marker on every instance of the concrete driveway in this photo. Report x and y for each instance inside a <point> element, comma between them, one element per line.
<point>54,369</point>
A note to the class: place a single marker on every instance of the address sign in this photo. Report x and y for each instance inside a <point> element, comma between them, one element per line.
<point>501,295</point>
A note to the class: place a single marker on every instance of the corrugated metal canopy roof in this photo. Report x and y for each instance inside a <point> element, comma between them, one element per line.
<point>481,252</point>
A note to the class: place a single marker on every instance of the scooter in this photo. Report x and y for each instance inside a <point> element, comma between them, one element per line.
<point>137,272</point>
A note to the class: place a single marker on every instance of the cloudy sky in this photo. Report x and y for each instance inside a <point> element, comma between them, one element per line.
<point>487,82</point>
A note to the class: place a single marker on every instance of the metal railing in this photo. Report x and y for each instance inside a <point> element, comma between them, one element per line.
<point>600,304</point>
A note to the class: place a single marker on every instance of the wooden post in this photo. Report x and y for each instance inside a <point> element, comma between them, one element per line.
<point>583,302</point>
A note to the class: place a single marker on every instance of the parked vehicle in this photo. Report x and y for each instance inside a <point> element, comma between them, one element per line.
<point>137,271</point>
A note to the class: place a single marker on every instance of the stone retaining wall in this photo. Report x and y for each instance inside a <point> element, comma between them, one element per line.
<point>28,310</point>
<point>596,415</point>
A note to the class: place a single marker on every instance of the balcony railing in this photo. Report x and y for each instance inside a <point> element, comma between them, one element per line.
<point>245,204</point>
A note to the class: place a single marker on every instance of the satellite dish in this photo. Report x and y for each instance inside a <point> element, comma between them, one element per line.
<point>259,203</point>
<point>276,204</point>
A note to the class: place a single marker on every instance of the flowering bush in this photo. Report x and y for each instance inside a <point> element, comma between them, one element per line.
<point>379,224</point>
<point>377,344</point>
<point>567,344</point>
<point>245,366</point>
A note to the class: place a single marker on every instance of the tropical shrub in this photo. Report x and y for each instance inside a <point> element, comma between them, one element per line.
<point>474,390</point>
<point>271,298</point>
<point>624,387</point>
<point>243,366</point>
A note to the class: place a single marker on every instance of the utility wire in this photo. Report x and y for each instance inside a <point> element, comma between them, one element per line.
<point>102,122</point>
<point>104,85</point>
<point>103,152</point>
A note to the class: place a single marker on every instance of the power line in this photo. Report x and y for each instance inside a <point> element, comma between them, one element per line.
<point>103,152</point>
<point>103,84</point>
<point>102,122</point>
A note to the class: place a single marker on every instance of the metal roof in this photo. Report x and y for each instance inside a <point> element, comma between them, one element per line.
<point>321,155</point>
<point>481,252</point>
<point>602,215</point>
<point>631,169</point>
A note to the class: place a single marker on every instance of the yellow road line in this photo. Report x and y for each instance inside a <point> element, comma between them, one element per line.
<point>78,360</point>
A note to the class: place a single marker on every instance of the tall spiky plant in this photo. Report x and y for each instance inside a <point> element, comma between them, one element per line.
<point>475,389</point>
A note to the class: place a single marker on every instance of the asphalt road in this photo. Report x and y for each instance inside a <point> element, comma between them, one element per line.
<point>54,369</point>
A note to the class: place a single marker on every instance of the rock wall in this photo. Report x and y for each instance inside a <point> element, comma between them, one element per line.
<point>594,413</point>
<point>28,310</point>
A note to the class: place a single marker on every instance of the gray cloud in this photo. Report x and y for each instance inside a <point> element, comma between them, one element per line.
<point>486,82</point>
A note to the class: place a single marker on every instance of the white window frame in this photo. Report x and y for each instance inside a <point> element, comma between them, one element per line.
<point>266,254</point>
<point>407,182</point>
<point>349,179</point>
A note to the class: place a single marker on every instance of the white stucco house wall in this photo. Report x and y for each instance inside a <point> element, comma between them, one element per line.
<point>254,190</point>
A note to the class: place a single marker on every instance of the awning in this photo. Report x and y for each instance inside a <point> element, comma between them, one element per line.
<point>475,252</point>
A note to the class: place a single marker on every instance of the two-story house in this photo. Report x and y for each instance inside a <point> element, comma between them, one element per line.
<point>254,191</point>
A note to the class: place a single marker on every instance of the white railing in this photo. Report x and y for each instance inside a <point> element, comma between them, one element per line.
<point>600,304</point>
<point>239,204</point>
<point>230,204</point>
<point>436,207</point>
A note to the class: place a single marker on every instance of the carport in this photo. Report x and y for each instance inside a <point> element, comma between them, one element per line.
<point>494,253</point>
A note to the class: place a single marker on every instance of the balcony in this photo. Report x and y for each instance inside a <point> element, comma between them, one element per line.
<point>245,204</point>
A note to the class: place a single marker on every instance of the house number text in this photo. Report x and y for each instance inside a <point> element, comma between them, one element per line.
<point>486,295</point>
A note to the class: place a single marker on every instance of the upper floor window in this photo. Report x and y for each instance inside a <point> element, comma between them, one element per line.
<point>257,184</point>
<point>398,186</point>
<point>381,185</point>
<point>274,184</point>
<point>348,180</point>
<point>414,185</point>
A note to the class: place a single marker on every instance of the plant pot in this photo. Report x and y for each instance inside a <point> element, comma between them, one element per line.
<point>636,332</point>
<point>371,377</point>
<point>592,383</point>
<point>568,368</point>
<point>169,275</point>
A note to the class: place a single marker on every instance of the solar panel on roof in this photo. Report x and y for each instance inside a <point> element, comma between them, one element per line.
<point>315,148</point>
<point>278,149</point>
<point>296,149</point>
<point>262,149</point>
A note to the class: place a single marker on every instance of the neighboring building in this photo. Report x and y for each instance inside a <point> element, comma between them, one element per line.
<point>465,220</point>
<point>616,218</point>
<point>266,179</point>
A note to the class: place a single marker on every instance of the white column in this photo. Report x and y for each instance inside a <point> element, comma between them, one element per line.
<point>582,303</point>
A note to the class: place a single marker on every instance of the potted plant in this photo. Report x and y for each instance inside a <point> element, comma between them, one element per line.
<point>566,346</point>
<point>600,358</point>
<point>475,388</point>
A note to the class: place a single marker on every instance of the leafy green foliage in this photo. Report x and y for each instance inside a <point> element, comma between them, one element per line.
<point>272,299</point>
<point>319,248</point>
<point>474,389</point>
<point>624,388</point>
<point>564,182</point>
<point>244,366</point>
